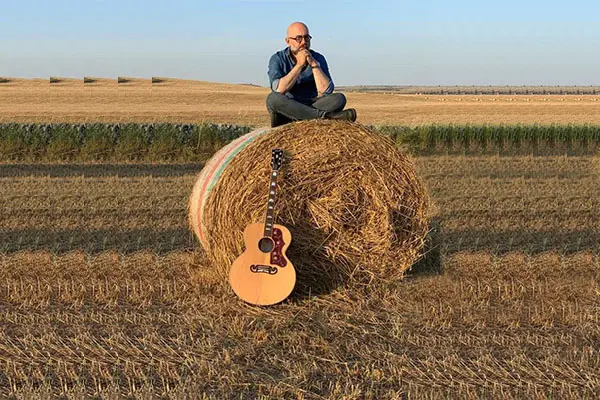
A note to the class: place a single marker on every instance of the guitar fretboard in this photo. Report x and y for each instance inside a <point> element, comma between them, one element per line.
<point>270,205</point>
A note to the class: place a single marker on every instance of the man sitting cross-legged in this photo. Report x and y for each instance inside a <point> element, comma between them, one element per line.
<point>301,86</point>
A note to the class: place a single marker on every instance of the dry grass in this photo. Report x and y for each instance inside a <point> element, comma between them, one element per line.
<point>58,209</point>
<point>491,203</point>
<point>476,320</point>
<point>508,203</point>
<point>188,101</point>
<point>515,326</point>
<point>483,203</point>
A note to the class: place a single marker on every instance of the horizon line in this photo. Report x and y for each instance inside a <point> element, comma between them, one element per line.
<point>5,79</point>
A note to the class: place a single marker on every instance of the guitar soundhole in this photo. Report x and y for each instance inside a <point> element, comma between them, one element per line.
<point>265,245</point>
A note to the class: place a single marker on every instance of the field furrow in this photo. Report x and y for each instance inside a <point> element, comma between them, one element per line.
<point>512,324</point>
<point>104,291</point>
<point>495,203</point>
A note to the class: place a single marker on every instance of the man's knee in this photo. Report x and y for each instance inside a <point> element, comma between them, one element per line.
<point>331,102</point>
<point>340,100</point>
<point>274,99</point>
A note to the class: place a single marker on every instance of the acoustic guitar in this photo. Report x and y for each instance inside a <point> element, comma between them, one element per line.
<point>262,274</point>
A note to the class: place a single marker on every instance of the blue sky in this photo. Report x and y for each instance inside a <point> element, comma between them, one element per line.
<point>376,42</point>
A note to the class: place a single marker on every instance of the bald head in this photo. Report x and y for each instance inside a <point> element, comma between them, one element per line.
<point>295,30</point>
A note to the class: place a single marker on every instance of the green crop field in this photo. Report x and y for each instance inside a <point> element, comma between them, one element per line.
<point>167,142</point>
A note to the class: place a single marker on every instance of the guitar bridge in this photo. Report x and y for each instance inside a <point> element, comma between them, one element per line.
<point>267,269</point>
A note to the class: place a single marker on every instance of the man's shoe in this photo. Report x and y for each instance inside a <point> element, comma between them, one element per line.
<point>345,115</point>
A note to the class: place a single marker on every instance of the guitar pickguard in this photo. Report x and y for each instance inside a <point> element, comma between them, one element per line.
<point>277,257</point>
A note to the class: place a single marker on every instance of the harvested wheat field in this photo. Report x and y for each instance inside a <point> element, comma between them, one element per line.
<point>187,101</point>
<point>105,292</point>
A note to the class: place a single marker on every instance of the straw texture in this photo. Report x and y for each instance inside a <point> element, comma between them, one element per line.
<point>355,207</point>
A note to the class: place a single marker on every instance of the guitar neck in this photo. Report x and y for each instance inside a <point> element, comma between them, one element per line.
<point>271,205</point>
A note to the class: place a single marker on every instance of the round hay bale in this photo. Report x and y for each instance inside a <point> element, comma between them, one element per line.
<point>351,199</point>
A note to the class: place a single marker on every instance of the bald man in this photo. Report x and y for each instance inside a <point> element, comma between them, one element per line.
<point>301,86</point>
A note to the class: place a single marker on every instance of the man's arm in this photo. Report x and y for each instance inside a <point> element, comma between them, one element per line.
<point>283,83</point>
<point>321,80</point>
<point>288,81</point>
<point>321,74</point>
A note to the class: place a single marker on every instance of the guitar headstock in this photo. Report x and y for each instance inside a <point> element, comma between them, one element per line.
<point>276,158</point>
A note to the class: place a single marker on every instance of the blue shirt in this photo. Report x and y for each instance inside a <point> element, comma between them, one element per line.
<point>305,88</point>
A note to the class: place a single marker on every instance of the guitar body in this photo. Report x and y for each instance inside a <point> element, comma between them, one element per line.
<point>262,274</point>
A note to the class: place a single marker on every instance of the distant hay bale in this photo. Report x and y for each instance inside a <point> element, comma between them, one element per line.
<point>351,199</point>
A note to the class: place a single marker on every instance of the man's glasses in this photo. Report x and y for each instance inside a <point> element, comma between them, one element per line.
<point>300,37</point>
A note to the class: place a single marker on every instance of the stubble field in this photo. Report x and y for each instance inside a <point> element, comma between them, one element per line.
<point>185,101</point>
<point>105,292</point>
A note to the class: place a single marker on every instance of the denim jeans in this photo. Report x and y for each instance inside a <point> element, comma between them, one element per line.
<point>283,109</point>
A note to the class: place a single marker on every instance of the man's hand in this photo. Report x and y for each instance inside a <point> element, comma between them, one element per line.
<point>302,57</point>
<point>312,62</point>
